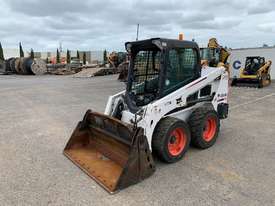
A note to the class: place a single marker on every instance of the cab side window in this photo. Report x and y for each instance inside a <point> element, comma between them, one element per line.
<point>180,68</point>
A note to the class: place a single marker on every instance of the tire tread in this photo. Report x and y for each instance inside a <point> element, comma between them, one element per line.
<point>196,123</point>
<point>159,136</point>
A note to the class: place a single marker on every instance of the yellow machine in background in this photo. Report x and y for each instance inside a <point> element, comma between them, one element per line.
<point>214,55</point>
<point>255,73</point>
<point>116,58</point>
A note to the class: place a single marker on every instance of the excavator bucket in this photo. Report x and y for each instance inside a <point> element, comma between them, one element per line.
<point>116,155</point>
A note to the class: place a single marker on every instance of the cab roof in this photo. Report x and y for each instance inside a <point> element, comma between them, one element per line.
<point>160,43</point>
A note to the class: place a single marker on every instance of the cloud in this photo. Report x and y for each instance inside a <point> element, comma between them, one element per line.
<point>261,7</point>
<point>267,27</point>
<point>42,24</point>
<point>48,7</point>
<point>215,24</point>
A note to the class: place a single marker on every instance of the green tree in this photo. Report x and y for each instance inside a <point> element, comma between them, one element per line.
<point>68,56</point>
<point>105,60</point>
<point>57,56</point>
<point>77,54</point>
<point>32,54</point>
<point>21,50</point>
<point>84,58</point>
<point>1,53</point>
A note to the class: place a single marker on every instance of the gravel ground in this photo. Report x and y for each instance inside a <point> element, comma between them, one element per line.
<point>38,114</point>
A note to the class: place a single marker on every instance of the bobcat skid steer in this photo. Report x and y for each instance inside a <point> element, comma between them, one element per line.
<point>256,73</point>
<point>169,102</point>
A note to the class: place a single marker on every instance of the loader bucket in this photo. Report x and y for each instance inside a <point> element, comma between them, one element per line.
<point>114,154</point>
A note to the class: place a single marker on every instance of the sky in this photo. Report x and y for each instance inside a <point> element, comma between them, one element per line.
<point>108,24</point>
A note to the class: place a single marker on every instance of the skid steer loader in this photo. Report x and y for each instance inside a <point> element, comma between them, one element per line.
<point>169,102</point>
<point>255,73</point>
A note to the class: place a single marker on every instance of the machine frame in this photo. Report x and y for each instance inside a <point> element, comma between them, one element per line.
<point>177,103</point>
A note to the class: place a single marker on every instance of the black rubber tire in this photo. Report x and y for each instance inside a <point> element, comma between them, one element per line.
<point>234,82</point>
<point>268,77</point>
<point>161,137</point>
<point>260,84</point>
<point>197,122</point>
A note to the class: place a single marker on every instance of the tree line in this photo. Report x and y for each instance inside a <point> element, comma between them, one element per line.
<point>58,56</point>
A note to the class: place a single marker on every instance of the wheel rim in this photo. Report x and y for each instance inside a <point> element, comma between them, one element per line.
<point>209,129</point>
<point>177,141</point>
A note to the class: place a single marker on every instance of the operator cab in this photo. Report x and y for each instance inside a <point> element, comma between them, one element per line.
<point>253,64</point>
<point>158,67</point>
<point>212,55</point>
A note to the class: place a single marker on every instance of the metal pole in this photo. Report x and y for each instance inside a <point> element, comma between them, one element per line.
<point>137,31</point>
<point>60,46</point>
